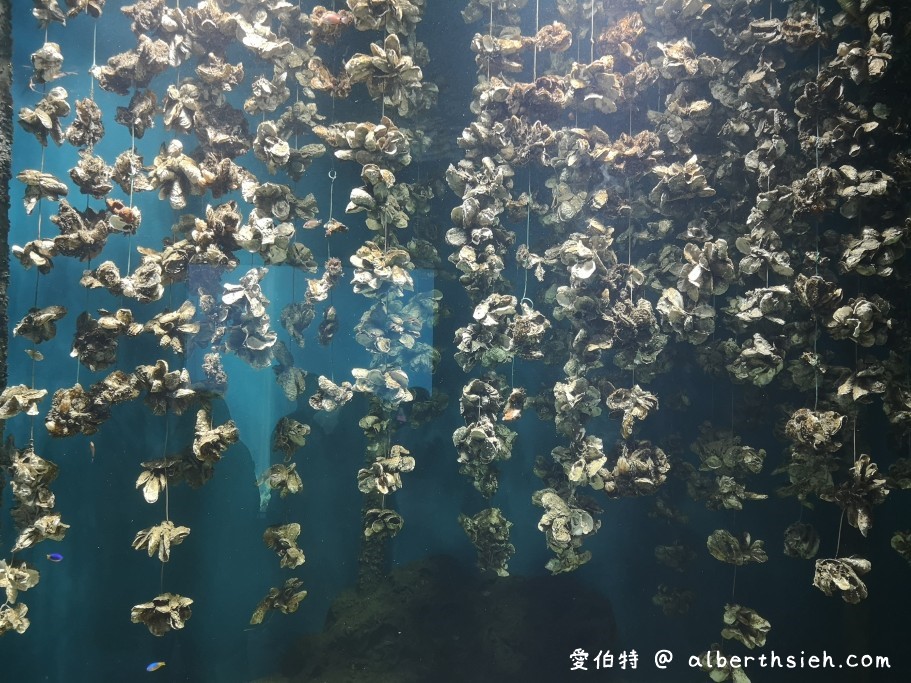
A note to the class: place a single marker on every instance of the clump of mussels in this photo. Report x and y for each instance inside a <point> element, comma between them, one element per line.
<point>747,222</point>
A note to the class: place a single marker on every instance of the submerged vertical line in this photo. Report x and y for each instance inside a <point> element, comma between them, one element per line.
<point>167,487</point>
<point>133,172</point>
<point>490,34</point>
<point>94,61</point>
<point>534,69</point>
<point>332,176</point>
<point>591,37</point>
<point>297,99</point>
<point>41,199</point>
<point>512,374</point>
<point>854,420</point>
<point>629,238</point>
<point>527,234</point>
<point>816,236</point>
<point>841,521</point>
<point>37,271</point>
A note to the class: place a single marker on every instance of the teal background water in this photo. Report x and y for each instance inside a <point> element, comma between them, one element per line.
<point>79,612</point>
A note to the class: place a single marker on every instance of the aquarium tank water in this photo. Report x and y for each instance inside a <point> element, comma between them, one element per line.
<point>455,341</point>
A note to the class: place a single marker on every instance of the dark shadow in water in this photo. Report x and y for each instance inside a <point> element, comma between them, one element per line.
<point>437,620</point>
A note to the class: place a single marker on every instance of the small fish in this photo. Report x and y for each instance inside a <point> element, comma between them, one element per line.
<point>155,666</point>
<point>312,223</point>
<point>55,557</point>
<point>92,449</point>
<point>34,354</point>
<point>334,226</point>
<point>401,417</point>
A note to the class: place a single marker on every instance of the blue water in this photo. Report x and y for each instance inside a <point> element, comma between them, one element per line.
<point>80,628</point>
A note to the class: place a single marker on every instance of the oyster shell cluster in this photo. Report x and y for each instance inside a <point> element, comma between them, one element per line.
<point>690,204</point>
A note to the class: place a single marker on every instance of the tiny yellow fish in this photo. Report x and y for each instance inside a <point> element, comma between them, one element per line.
<point>34,354</point>
<point>155,666</point>
<point>334,226</point>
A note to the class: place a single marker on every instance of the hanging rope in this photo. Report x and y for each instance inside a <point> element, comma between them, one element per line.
<point>591,37</point>
<point>490,33</point>
<point>38,272</point>
<point>534,69</point>
<point>94,62</point>
<point>133,172</point>
<point>840,524</point>
<point>167,487</point>
<point>527,237</point>
<point>332,176</point>
<point>524,299</point>
<point>816,237</point>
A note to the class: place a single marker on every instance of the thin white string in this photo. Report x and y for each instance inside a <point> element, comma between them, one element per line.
<point>591,38</point>
<point>527,234</point>
<point>133,172</point>
<point>534,70</point>
<point>38,272</point>
<point>332,176</point>
<point>816,237</point>
<point>94,61</point>
<point>629,241</point>
<point>838,542</point>
<point>512,374</point>
<point>41,199</point>
<point>167,488</point>
<point>490,33</point>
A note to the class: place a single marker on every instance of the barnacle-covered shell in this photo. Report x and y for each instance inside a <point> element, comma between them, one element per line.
<point>12,618</point>
<point>160,538</point>
<point>40,324</point>
<point>288,436</point>
<point>283,540</point>
<point>47,64</point>
<point>744,624</point>
<point>18,399</point>
<point>331,396</point>
<point>40,185</point>
<point>285,599</point>
<point>634,404</point>
<point>864,489</point>
<point>164,613</point>
<point>92,175</point>
<point>488,531</point>
<point>87,128</point>
<point>565,526</point>
<point>211,441</point>
<point>725,547</point>
<point>139,115</point>
<point>382,522</point>
<point>842,576</point>
<point>15,578</point>
<point>384,475</point>
<point>44,120</point>
<point>388,73</point>
<point>167,390</point>
<point>801,540</point>
<point>282,478</point>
